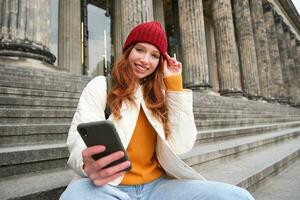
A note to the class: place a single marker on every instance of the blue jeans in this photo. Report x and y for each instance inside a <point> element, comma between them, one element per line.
<point>160,189</point>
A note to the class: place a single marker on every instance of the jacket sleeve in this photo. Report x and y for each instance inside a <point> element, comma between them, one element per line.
<point>181,120</point>
<point>90,107</point>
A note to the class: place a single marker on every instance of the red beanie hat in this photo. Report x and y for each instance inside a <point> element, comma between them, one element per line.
<point>149,32</point>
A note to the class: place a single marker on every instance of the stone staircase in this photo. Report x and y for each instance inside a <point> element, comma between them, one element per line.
<point>239,141</point>
<point>36,110</point>
<point>243,142</point>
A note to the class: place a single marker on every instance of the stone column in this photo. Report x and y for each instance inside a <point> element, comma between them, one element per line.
<point>227,53</point>
<point>211,56</point>
<point>193,44</point>
<point>133,13</point>
<point>117,33</point>
<point>246,44</point>
<point>283,48</point>
<point>297,54</point>
<point>262,48</point>
<point>69,36</point>
<point>291,43</point>
<point>158,11</point>
<point>278,91</point>
<point>25,29</point>
<point>297,72</point>
<point>289,37</point>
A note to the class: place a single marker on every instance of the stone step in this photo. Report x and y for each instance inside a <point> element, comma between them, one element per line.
<point>209,116</point>
<point>35,120</point>
<point>9,115</point>
<point>240,105</point>
<point>229,133</point>
<point>228,123</point>
<point>32,158</point>
<point>272,186</point>
<point>213,150</point>
<point>212,102</point>
<point>38,186</point>
<point>19,71</point>
<point>43,79</point>
<point>17,134</point>
<point>24,92</point>
<point>40,84</point>
<point>36,102</point>
<point>247,110</point>
<point>222,100</point>
<point>249,167</point>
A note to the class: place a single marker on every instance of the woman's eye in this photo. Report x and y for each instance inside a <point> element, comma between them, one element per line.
<point>139,49</point>
<point>155,56</point>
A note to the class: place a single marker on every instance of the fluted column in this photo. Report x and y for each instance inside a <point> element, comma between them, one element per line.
<point>25,29</point>
<point>193,44</point>
<point>117,32</point>
<point>291,43</point>
<point>262,48</point>
<point>297,54</point>
<point>133,13</point>
<point>158,11</point>
<point>294,87</point>
<point>294,72</point>
<point>211,56</point>
<point>278,91</point>
<point>246,44</point>
<point>227,53</point>
<point>297,72</point>
<point>69,40</point>
<point>283,48</point>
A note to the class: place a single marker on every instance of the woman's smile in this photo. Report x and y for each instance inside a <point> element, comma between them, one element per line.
<point>141,68</point>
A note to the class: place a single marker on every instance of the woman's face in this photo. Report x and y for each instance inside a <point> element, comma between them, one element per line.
<point>144,59</point>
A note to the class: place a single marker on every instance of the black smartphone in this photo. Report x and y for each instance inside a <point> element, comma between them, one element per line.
<point>103,133</point>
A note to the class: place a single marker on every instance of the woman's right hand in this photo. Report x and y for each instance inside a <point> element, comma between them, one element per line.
<point>95,168</point>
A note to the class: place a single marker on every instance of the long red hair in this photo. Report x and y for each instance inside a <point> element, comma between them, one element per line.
<point>125,83</point>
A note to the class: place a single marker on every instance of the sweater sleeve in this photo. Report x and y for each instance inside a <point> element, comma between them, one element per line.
<point>173,83</point>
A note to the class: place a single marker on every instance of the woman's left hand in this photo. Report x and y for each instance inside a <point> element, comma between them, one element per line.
<point>172,66</point>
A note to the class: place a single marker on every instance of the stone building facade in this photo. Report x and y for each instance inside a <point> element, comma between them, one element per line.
<point>234,48</point>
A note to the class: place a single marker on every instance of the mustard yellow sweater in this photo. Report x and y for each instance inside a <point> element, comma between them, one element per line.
<point>141,149</point>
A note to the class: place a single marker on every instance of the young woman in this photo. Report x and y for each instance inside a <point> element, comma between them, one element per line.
<point>153,116</point>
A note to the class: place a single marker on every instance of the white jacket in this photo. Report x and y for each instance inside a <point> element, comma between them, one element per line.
<point>181,121</point>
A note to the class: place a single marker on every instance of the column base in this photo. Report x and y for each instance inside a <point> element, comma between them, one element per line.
<point>269,99</point>
<point>254,97</point>
<point>30,63</point>
<point>283,100</point>
<point>26,49</point>
<point>277,101</point>
<point>273,101</point>
<point>202,86</point>
<point>296,105</point>
<point>232,93</point>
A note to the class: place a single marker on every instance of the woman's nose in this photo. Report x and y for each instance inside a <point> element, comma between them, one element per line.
<point>145,58</point>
